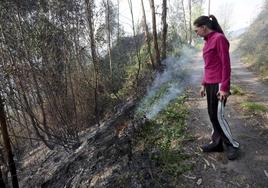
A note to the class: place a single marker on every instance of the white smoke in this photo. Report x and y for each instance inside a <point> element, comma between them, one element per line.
<point>169,84</point>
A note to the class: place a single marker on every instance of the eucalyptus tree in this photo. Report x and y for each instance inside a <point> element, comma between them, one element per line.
<point>164,29</point>
<point>180,17</point>
<point>147,35</point>
<point>7,144</point>
<point>41,41</point>
<point>156,47</point>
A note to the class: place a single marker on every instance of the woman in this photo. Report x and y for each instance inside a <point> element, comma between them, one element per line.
<point>216,84</point>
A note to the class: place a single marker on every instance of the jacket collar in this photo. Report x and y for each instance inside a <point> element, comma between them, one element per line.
<point>209,35</point>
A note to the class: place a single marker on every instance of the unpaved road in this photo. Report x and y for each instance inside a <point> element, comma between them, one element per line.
<point>214,170</point>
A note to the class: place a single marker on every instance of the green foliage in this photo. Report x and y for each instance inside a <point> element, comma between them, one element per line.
<point>174,45</point>
<point>253,45</point>
<point>125,62</point>
<point>163,138</point>
<point>254,107</point>
<point>199,44</point>
<point>47,60</point>
<point>129,84</point>
<point>236,90</point>
<point>149,101</point>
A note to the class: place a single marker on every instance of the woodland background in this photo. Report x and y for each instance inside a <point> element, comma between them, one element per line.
<point>68,65</point>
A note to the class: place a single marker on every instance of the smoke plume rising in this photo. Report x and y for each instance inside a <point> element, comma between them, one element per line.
<point>169,84</point>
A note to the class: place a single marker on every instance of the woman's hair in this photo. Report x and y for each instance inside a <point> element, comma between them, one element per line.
<point>209,21</point>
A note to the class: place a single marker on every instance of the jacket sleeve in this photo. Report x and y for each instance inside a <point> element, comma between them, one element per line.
<point>203,81</point>
<point>223,52</point>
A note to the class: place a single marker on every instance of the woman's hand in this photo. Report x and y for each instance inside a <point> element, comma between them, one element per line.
<point>202,91</point>
<point>222,95</point>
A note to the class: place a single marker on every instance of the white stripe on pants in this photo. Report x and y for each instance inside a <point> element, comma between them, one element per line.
<point>224,125</point>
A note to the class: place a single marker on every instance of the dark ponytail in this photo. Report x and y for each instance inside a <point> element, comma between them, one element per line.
<point>210,21</point>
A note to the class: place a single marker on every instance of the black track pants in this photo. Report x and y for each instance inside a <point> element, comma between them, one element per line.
<point>220,128</point>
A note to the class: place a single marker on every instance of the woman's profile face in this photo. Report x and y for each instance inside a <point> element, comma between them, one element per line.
<point>200,31</point>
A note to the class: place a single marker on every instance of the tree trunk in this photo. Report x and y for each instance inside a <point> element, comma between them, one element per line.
<point>190,21</point>
<point>136,45</point>
<point>2,182</point>
<point>157,53</point>
<point>147,35</point>
<point>118,21</point>
<point>109,38</point>
<point>6,140</point>
<point>164,30</point>
<point>184,21</point>
<point>208,7</point>
<point>11,128</point>
<point>89,11</point>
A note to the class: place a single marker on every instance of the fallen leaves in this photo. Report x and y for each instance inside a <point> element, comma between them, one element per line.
<point>199,181</point>
<point>266,173</point>
<point>189,177</point>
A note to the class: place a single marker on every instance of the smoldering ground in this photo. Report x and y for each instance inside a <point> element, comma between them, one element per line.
<point>170,83</point>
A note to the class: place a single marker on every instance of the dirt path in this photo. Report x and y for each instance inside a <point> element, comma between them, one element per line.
<point>214,170</point>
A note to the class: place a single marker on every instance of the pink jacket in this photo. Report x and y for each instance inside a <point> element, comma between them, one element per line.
<point>217,61</point>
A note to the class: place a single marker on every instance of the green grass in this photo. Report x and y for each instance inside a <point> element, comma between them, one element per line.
<point>148,102</point>
<point>236,90</point>
<point>257,63</point>
<point>163,138</point>
<point>254,107</point>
